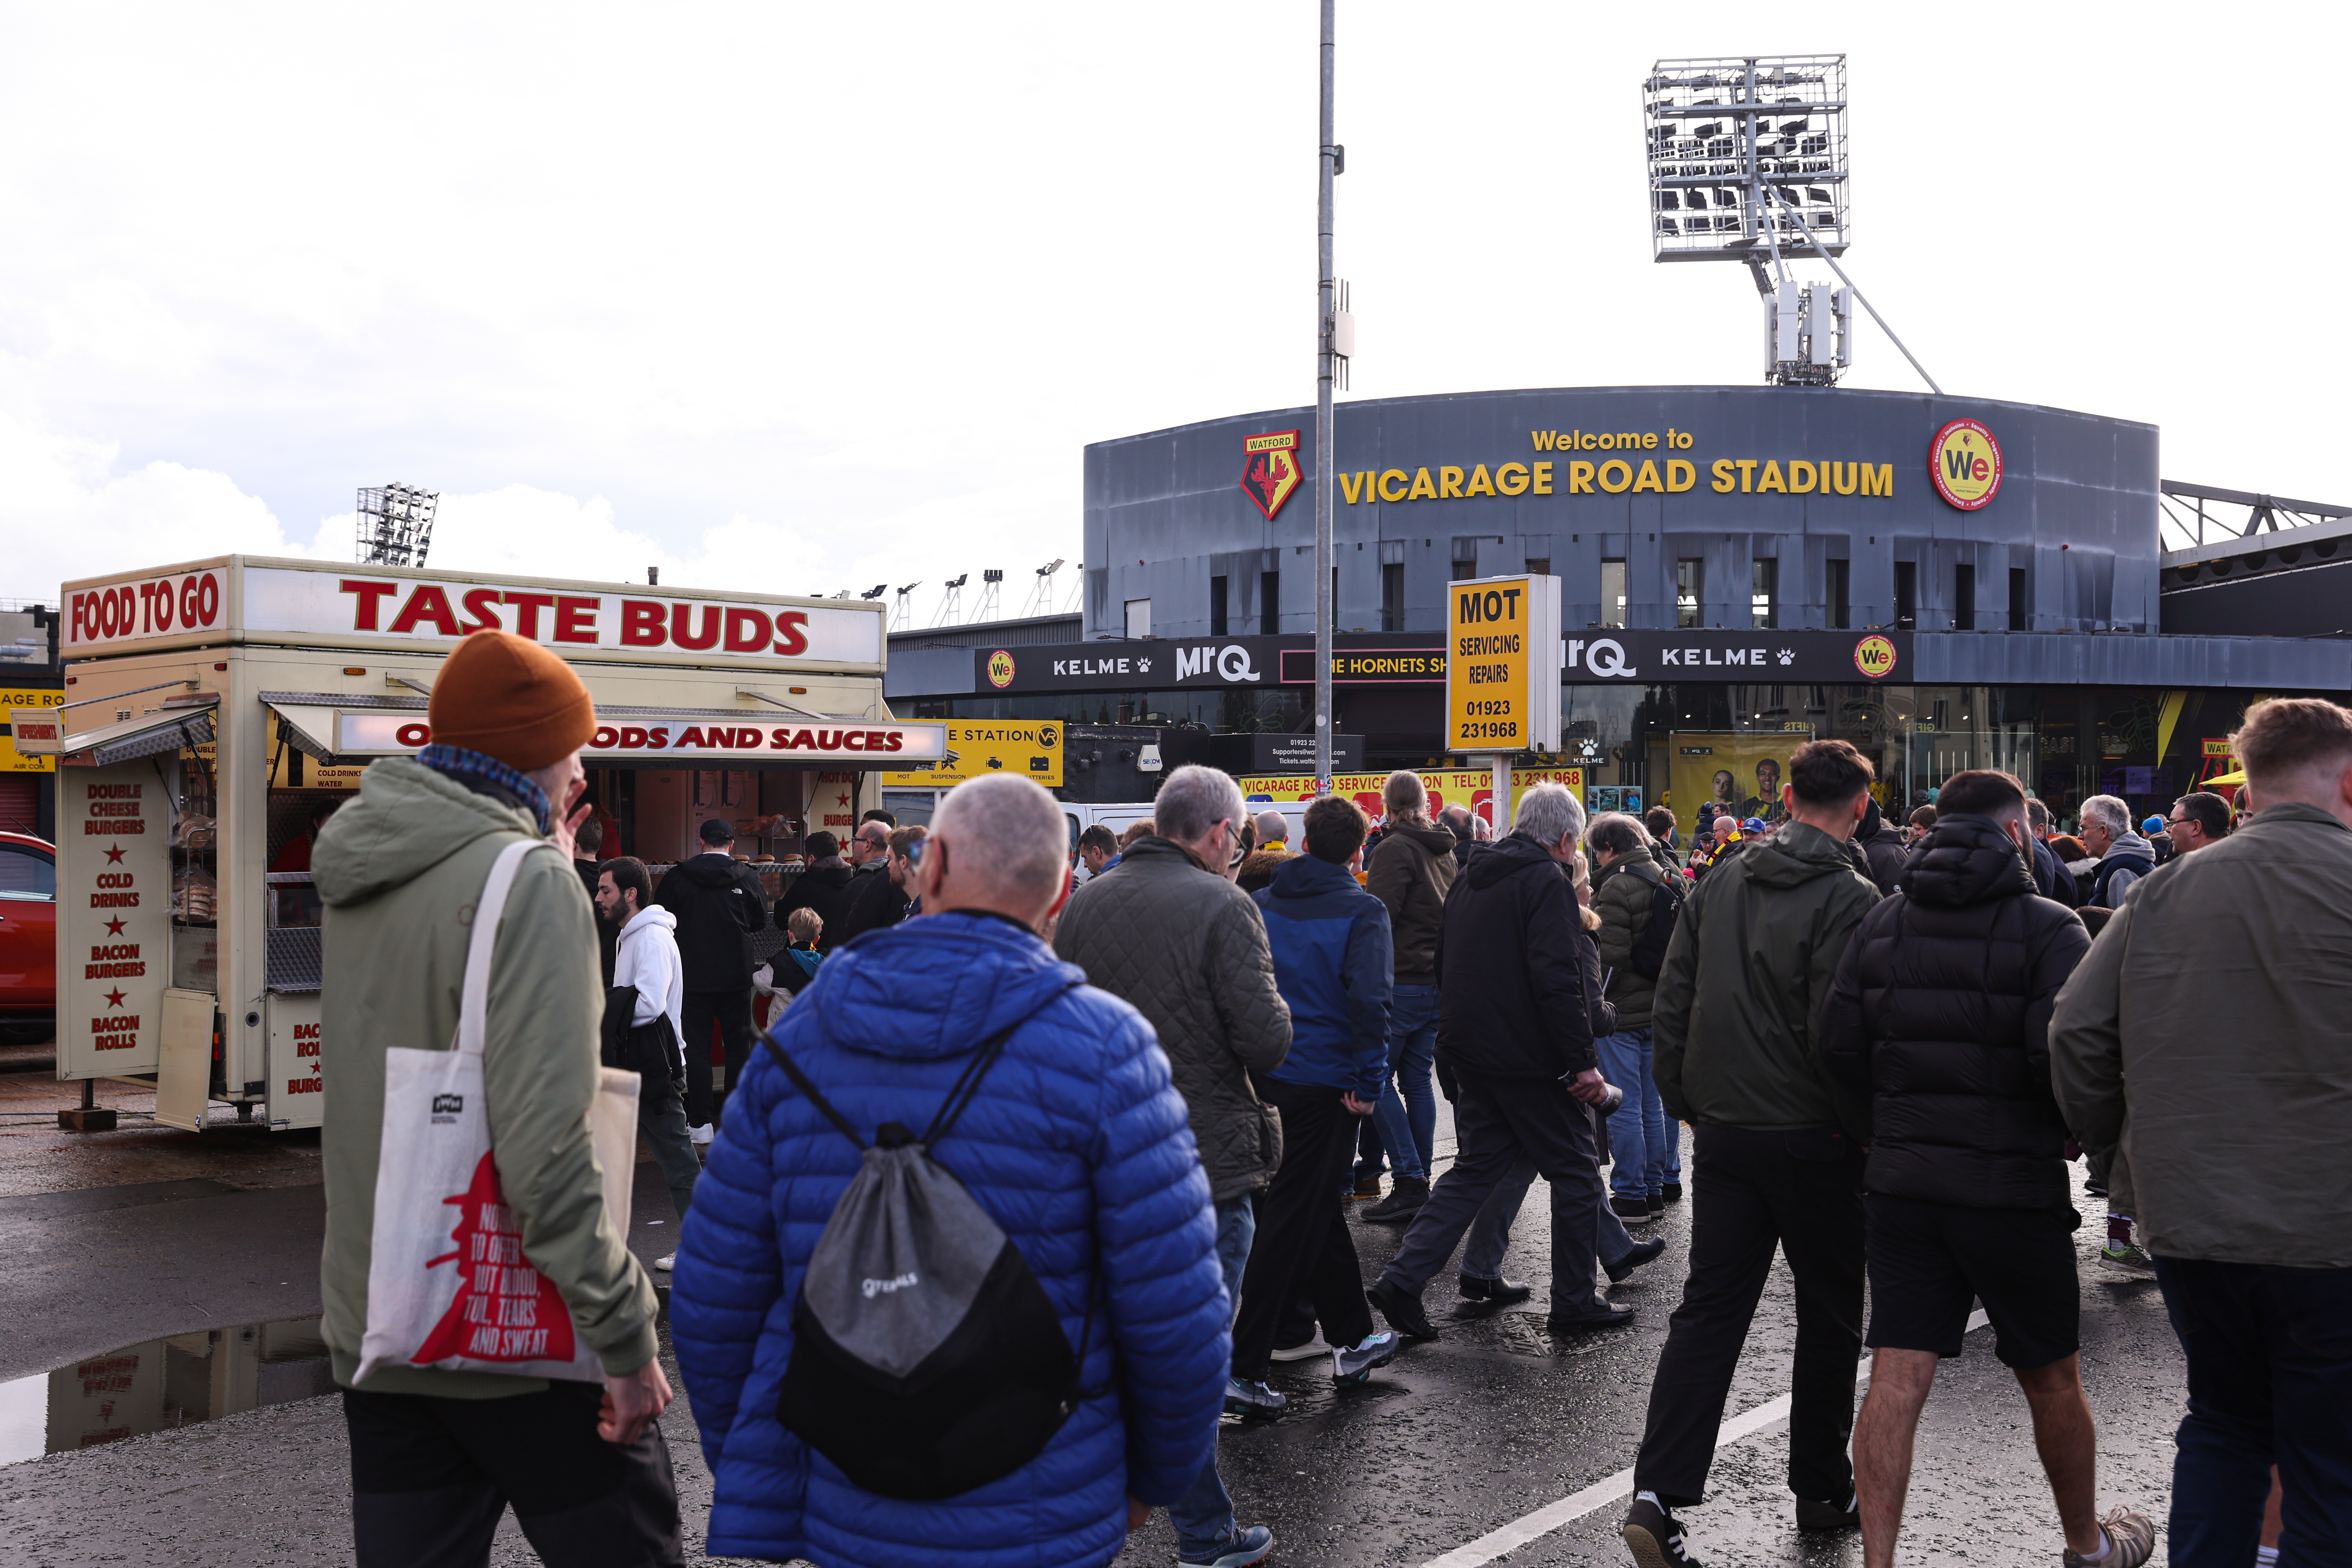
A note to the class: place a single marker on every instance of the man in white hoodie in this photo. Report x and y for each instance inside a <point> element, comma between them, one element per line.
<point>647,963</point>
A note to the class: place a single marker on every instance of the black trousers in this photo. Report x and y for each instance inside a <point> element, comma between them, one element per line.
<point>430,1476</point>
<point>1496,1122</point>
<point>731,1011</point>
<point>1303,1244</point>
<point>1749,1191</point>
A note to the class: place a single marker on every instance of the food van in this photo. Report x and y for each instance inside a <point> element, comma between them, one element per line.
<point>217,711</point>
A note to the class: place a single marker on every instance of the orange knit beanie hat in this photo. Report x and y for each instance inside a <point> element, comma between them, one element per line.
<point>507,697</point>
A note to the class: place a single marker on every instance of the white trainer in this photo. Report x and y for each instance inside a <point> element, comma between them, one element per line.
<point>667,1262</point>
<point>699,1135</point>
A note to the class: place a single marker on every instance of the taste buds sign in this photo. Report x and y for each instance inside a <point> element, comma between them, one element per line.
<point>345,607</point>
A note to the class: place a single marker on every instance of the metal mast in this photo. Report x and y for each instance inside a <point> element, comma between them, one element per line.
<point>1325,307</point>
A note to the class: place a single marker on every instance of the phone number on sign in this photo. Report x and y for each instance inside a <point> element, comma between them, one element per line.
<point>1490,708</point>
<point>1493,730</point>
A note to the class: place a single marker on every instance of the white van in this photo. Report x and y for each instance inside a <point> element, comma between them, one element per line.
<point>1120,817</point>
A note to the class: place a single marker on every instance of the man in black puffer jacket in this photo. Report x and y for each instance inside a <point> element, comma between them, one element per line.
<point>719,902</point>
<point>1941,1012</point>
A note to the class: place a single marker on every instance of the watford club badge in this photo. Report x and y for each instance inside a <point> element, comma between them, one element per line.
<point>1270,469</point>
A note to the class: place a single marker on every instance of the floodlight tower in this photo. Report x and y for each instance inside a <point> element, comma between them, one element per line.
<point>992,596</point>
<point>1748,163</point>
<point>951,602</point>
<point>903,617</point>
<point>396,525</point>
<point>1041,598</point>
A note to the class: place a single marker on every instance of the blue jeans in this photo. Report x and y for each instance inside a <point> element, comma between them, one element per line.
<point>1203,1516</point>
<point>1646,1143</point>
<point>2270,1382</point>
<point>1408,1120</point>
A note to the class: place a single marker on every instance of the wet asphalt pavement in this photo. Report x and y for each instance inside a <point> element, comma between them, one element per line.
<point>1456,1440</point>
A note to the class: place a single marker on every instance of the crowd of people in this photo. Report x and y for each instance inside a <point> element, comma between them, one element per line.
<point>1026,1188</point>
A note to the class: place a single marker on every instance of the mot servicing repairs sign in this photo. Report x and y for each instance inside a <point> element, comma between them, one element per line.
<point>1502,664</point>
<point>243,599</point>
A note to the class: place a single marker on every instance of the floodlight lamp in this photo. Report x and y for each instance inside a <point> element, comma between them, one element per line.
<point>1749,118</point>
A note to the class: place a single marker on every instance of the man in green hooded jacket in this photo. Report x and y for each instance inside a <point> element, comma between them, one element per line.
<point>1776,1145</point>
<point>437,1455</point>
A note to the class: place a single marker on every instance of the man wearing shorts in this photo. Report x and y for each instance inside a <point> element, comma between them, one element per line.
<point>1941,1011</point>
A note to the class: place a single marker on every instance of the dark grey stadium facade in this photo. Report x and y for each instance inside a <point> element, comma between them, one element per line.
<point>1945,581</point>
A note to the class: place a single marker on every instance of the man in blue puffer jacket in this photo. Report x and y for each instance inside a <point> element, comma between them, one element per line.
<point>1333,962</point>
<point>1076,1145</point>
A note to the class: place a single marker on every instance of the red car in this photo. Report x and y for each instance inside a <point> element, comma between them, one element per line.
<point>28,938</point>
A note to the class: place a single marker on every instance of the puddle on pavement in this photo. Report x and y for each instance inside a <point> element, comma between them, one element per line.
<point>177,1381</point>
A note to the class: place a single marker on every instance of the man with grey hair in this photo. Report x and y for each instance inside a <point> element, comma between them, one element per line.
<point>1062,1127</point>
<point>1410,872</point>
<point>1514,1027</point>
<point>1173,936</point>
<point>2125,857</point>
<point>1272,829</point>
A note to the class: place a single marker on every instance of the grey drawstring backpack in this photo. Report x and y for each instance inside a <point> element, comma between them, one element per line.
<point>927,1360</point>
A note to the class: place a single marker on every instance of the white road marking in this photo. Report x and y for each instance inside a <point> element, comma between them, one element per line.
<point>1598,1495</point>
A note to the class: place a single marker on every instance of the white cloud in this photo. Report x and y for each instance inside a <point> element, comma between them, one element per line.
<point>65,513</point>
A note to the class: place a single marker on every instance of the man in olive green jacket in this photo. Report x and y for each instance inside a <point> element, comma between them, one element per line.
<point>436,1454</point>
<point>1776,1145</point>
<point>2208,1037</point>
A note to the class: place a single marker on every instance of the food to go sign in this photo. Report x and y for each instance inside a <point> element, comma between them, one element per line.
<point>1502,665</point>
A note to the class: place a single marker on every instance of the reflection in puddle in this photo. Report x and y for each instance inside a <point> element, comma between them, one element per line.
<point>171,1381</point>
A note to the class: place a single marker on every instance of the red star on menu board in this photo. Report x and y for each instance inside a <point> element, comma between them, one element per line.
<point>113,854</point>
<point>114,927</point>
<point>114,998</point>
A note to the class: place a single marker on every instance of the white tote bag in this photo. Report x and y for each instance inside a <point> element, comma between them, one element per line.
<point>448,1285</point>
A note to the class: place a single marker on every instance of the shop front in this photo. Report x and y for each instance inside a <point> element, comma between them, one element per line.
<point>218,713</point>
<point>1682,718</point>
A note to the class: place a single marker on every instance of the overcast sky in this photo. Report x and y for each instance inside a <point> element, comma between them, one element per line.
<point>805,299</point>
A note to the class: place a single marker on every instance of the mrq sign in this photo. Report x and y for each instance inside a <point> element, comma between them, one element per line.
<point>1607,657</point>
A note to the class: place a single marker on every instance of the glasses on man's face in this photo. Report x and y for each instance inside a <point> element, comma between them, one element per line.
<point>1241,847</point>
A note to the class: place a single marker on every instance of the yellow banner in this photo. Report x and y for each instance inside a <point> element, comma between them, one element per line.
<point>1471,787</point>
<point>1488,691</point>
<point>13,702</point>
<point>1031,748</point>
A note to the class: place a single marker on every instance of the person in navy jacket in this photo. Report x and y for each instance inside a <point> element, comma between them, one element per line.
<point>1332,962</point>
<point>1076,1145</point>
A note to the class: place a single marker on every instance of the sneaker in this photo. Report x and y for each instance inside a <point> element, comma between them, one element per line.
<point>1631,1210</point>
<point>1494,1292</point>
<point>1403,1201</point>
<point>1657,1206</point>
<point>1315,1345</point>
<point>1674,1193</point>
<point>2127,1258</point>
<point>2131,1537</point>
<point>1366,1187</point>
<point>1812,1515</point>
<point>1644,1252</point>
<point>1655,1537</point>
<point>1241,1548</point>
<point>1253,1401</point>
<point>2095,1187</point>
<point>667,1262</point>
<point>1353,1364</point>
<point>1402,1310</point>
<point>699,1135</point>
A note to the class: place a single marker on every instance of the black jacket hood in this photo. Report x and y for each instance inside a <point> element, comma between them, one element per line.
<point>1506,857</point>
<point>1965,860</point>
<point>830,876</point>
